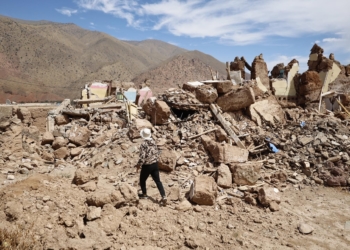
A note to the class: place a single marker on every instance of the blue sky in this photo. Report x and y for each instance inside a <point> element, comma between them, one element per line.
<point>281,30</point>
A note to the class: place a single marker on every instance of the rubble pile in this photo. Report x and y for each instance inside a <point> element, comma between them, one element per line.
<point>221,144</point>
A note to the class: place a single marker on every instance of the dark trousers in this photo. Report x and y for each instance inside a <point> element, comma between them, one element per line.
<point>152,170</point>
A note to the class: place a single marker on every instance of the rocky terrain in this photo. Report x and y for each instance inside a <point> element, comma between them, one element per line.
<point>228,187</point>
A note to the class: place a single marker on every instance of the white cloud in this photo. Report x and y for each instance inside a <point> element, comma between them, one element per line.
<point>273,60</point>
<point>317,41</point>
<point>175,44</point>
<point>238,22</point>
<point>66,11</point>
<point>92,24</point>
<point>119,8</point>
<point>330,40</point>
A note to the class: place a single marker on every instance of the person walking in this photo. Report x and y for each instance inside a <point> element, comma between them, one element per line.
<point>148,162</point>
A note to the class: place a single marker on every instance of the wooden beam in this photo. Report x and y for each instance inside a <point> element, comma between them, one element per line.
<point>221,119</point>
<point>92,100</point>
<point>206,132</point>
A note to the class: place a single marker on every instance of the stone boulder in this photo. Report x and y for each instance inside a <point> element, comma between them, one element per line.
<point>266,195</point>
<point>61,153</point>
<point>203,190</point>
<point>48,138</point>
<point>184,206</point>
<point>62,119</point>
<point>24,115</point>
<point>167,160</point>
<point>246,173</point>
<point>259,69</point>
<point>191,86</point>
<point>125,195</point>
<point>268,110</point>
<point>224,153</point>
<point>76,151</point>
<point>224,86</point>
<point>206,94</point>
<point>79,135</point>
<point>224,176</point>
<point>137,126</point>
<point>159,111</point>
<point>236,99</point>
<point>59,142</point>
<point>84,175</point>
<point>98,140</point>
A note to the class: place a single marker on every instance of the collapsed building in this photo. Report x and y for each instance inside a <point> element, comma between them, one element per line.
<point>220,140</point>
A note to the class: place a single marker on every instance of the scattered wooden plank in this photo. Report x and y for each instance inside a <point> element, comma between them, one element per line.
<point>343,107</point>
<point>78,101</point>
<point>226,126</point>
<point>206,132</point>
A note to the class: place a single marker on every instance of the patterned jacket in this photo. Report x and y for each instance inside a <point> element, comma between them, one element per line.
<point>149,153</point>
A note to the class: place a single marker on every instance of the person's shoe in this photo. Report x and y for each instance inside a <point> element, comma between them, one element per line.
<point>163,201</point>
<point>143,196</point>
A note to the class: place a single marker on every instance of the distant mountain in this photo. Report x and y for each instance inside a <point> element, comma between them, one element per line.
<point>43,60</point>
<point>189,66</point>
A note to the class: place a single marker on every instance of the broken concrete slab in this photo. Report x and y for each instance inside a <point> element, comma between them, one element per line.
<point>136,127</point>
<point>236,99</point>
<point>246,173</point>
<point>206,94</point>
<point>268,111</point>
<point>79,135</point>
<point>224,176</point>
<point>224,153</point>
<point>203,190</point>
<point>159,111</point>
<point>167,160</point>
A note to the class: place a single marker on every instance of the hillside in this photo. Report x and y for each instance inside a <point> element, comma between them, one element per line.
<point>42,60</point>
<point>189,66</point>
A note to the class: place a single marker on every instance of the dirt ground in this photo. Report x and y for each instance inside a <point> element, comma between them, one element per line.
<point>43,201</point>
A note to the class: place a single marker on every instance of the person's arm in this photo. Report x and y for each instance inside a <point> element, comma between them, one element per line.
<point>142,156</point>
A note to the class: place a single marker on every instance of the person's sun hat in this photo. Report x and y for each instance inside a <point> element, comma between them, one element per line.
<point>146,134</point>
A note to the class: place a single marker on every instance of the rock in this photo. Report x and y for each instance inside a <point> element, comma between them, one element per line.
<point>47,156</point>
<point>101,197</point>
<point>136,127</point>
<point>191,243</point>
<point>48,138</point>
<point>93,213</point>
<point>224,176</point>
<point>26,165</point>
<point>198,209</point>
<point>304,140</point>
<point>167,160</point>
<point>89,186</point>
<point>206,94</point>
<point>23,171</point>
<point>305,228</point>
<point>191,86</point>
<point>99,140</point>
<point>268,195</point>
<point>334,158</point>
<point>280,175</point>
<point>24,114</point>
<point>203,190</point>
<point>268,111</point>
<point>220,135</point>
<point>274,206</point>
<point>184,206</point>
<point>246,173</point>
<point>84,175</point>
<point>159,111</point>
<point>59,142</point>
<point>259,69</point>
<point>129,194</point>
<point>10,177</point>
<point>76,151</point>
<point>79,135</point>
<point>61,153</point>
<point>224,153</point>
<point>62,119</point>
<point>224,86</point>
<point>250,199</point>
<point>236,99</point>
<point>13,210</point>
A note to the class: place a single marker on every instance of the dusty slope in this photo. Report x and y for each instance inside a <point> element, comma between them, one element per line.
<point>50,54</point>
<point>189,66</point>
